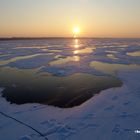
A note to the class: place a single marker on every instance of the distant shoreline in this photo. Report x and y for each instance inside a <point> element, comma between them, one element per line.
<point>43,38</point>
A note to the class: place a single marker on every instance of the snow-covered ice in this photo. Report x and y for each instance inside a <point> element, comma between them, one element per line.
<point>113,114</point>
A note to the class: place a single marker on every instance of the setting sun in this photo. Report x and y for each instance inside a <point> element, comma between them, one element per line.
<point>76,31</point>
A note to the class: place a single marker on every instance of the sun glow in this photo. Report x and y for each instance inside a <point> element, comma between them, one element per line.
<point>76,31</point>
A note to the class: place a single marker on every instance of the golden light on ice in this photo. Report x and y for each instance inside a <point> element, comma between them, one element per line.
<point>76,58</point>
<point>76,43</point>
<point>76,52</point>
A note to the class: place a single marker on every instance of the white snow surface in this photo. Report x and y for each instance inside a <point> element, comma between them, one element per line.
<point>114,114</point>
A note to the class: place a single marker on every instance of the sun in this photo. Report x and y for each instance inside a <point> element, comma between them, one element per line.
<point>76,31</point>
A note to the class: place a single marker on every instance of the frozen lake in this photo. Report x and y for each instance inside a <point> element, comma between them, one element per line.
<point>70,89</point>
<point>63,72</point>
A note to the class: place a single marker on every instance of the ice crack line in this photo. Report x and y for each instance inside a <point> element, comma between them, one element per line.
<point>41,134</point>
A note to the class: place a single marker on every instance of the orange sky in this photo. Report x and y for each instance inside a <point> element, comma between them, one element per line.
<point>46,18</point>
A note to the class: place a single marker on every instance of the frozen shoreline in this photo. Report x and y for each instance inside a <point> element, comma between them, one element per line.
<point>112,114</point>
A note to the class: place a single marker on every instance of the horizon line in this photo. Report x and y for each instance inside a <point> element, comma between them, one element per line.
<point>51,37</point>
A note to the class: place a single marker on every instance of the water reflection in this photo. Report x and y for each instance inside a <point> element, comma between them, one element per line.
<point>79,50</point>
<point>33,46</point>
<point>75,51</point>
<point>63,60</point>
<point>76,44</point>
<point>60,59</point>
<point>63,76</point>
<point>76,58</point>
<point>137,53</point>
<point>112,68</point>
<point>111,56</point>
<point>25,86</point>
<point>83,51</point>
<point>4,62</point>
<point>76,40</point>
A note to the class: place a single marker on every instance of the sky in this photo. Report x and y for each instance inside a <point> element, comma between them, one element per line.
<point>57,18</point>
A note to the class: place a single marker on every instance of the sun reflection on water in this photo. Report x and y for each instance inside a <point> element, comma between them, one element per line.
<point>76,46</point>
<point>80,50</point>
<point>75,52</point>
<point>76,58</point>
